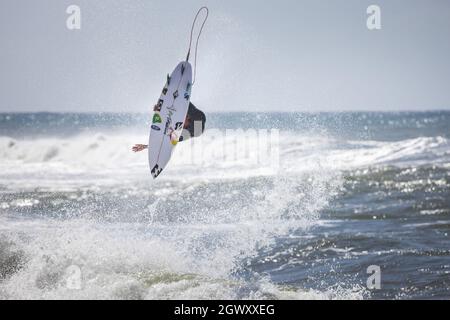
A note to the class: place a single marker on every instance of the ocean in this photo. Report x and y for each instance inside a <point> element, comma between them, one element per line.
<point>262,206</point>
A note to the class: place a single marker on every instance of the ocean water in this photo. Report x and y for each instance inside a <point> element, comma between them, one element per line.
<point>81,218</point>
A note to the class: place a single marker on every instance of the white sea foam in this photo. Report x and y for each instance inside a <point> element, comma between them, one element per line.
<point>86,155</point>
<point>183,254</point>
<point>174,257</point>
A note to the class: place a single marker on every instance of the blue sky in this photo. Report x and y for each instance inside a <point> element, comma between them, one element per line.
<point>313,55</point>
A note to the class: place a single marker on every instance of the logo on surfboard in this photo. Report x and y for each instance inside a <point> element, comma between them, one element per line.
<point>168,122</point>
<point>156,171</point>
<point>157,118</point>
<point>178,125</point>
<point>187,94</point>
<point>174,138</point>
<point>158,106</point>
<point>156,128</point>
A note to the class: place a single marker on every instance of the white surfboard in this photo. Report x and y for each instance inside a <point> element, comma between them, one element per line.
<point>169,116</point>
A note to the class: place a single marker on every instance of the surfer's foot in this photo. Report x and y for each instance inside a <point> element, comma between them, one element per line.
<point>139,147</point>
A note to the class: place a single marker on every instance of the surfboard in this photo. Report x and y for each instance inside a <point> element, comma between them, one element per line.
<point>168,117</point>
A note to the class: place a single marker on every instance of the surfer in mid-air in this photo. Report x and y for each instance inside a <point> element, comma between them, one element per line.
<point>194,126</point>
<point>175,119</point>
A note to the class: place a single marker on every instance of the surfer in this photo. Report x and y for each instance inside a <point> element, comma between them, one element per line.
<point>194,126</point>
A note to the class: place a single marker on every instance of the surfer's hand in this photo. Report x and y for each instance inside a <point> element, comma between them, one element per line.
<point>139,147</point>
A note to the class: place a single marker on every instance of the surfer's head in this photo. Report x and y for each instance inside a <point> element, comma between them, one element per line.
<point>195,122</point>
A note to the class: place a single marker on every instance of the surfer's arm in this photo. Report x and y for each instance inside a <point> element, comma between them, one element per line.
<point>139,147</point>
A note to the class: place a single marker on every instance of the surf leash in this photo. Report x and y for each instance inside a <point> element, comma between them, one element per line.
<point>198,38</point>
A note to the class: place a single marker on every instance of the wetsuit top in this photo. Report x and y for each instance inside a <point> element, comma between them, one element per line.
<point>195,124</point>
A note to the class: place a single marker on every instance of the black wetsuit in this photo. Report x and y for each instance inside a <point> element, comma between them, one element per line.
<point>196,125</point>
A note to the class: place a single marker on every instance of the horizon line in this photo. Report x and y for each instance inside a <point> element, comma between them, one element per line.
<point>224,112</point>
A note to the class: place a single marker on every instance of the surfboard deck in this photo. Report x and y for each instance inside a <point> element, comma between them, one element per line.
<point>168,118</point>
